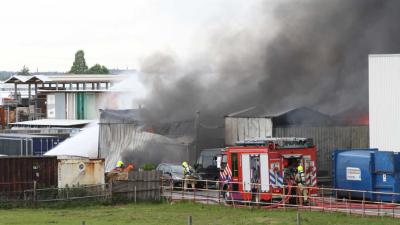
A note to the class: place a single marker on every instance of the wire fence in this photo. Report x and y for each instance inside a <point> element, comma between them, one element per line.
<point>145,187</point>
<point>38,195</point>
<point>365,203</point>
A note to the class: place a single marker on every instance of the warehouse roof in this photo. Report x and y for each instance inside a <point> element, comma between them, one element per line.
<point>53,123</point>
<point>66,78</point>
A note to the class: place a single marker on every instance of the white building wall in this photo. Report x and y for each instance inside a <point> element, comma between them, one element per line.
<point>242,128</point>
<point>384,102</point>
<point>51,106</point>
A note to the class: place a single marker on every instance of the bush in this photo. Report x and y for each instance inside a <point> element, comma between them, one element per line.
<point>148,166</point>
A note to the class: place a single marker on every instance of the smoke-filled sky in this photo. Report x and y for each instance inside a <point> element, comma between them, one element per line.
<point>215,56</point>
<point>311,53</point>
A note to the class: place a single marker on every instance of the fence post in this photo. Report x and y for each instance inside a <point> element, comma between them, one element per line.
<point>284,197</point>
<point>336,199</point>
<point>189,220</point>
<point>135,194</point>
<point>207,191</point>
<point>298,218</point>
<point>323,199</point>
<point>171,189</point>
<point>161,188</point>
<point>194,191</point>
<point>34,192</point>
<point>363,204</point>
<point>219,192</point>
<point>111,191</point>
<point>350,202</point>
<point>183,180</point>
<point>393,202</point>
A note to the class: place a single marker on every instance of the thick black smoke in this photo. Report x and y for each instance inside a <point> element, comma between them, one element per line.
<point>317,57</point>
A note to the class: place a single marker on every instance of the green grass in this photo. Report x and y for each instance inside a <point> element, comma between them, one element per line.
<point>163,213</point>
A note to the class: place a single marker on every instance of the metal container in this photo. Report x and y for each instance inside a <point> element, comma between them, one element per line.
<point>75,171</point>
<point>241,128</point>
<point>19,173</point>
<point>367,170</point>
<point>27,144</point>
<point>384,98</point>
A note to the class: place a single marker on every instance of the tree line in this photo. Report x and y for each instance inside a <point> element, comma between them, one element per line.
<point>78,66</point>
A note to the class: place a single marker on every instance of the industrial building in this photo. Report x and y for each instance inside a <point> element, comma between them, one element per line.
<point>69,96</point>
<point>384,98</point>
<point>328,132</point>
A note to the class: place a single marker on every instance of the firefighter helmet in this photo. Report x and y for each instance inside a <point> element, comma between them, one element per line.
<point>120,164</point>
<point>299,168</point>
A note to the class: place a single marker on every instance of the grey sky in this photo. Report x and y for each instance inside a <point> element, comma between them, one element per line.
<point>45,34</point>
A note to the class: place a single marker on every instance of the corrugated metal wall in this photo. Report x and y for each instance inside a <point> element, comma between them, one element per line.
<point>51,106</point>
<point>90,110</point>
<point>60,105</point>
<point>126,141</point>
<point>327,139</point>
<point>71,106</point>
<point>241,128</point>
<point>384,99</point>
<point>18,173</point>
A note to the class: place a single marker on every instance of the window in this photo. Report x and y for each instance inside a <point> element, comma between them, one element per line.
<point>235,170</point>
<point>235,187</point>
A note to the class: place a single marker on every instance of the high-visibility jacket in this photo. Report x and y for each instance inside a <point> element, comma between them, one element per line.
<point>187,170</point>
<point>300,178</point>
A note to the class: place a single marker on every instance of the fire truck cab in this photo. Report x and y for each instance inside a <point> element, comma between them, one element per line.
<point>260,170</point>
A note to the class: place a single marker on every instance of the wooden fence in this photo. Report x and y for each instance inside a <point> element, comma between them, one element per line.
<point>140,186</point>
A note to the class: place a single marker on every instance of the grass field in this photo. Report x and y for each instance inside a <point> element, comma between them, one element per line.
<point>175,214</point>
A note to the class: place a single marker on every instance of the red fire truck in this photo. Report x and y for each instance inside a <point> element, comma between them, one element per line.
<point>260,170</point>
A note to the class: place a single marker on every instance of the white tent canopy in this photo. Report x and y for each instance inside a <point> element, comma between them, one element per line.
<point>84,144</point>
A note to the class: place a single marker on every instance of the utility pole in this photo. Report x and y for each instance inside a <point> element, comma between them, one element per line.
<point>196,131</point>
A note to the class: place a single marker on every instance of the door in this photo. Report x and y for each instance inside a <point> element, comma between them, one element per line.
<point>264,173</point>
<point>246,181</point>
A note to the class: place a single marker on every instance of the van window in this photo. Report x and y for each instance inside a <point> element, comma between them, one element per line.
<point>235,170</point>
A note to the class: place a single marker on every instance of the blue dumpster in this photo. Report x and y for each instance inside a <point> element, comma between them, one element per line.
<point>367,170</point>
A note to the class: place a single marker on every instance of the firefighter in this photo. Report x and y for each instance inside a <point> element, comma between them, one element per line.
<point>120,166</point>
<point>188,175</point>
<point>301,187</point>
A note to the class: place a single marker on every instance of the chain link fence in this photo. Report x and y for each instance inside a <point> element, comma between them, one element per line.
<point>364,203</point>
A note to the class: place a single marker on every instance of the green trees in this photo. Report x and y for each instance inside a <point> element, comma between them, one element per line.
<point>98,69</point>
<point>24,71</point>
<point>79,66</point>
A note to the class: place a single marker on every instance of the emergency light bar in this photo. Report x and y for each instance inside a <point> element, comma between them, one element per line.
<point>282,142</point>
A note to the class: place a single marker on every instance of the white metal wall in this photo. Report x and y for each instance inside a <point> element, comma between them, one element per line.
<point>51,106</point>
<point>241,128</point>
<point>384,102</point>
<point>73,171</point>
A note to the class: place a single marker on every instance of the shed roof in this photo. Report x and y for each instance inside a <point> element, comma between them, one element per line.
<point>66,78</point>
<point>302,116</point>
<point>54,123</point>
